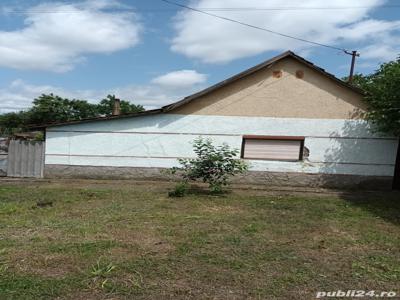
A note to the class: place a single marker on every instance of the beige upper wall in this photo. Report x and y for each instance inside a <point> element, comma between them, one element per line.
<point>263,95</point>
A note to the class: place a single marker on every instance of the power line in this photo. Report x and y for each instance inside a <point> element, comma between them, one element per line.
<point>295,8</point>
<point>253,26</point>
<point>353,53</point>
<point>230,9</point>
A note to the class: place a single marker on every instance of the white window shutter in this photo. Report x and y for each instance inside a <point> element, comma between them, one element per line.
<point>271,149</point>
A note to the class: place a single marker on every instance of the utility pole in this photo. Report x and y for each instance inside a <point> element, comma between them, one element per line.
<point>353,54</point>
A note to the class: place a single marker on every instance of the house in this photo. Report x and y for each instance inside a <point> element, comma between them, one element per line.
<point>294,123</point>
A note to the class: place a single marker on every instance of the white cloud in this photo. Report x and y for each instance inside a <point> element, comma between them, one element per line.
<point>387,49</point>
<point>18,95</point>
<point>180,79</point>
<point>57,36</point>
<point>212,40</point>
<point>368,29</point>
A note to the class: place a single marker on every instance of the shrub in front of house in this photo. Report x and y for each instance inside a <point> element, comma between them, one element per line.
<point>214,165</point>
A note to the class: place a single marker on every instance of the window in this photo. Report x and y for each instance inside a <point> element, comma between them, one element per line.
<point>285,148</point>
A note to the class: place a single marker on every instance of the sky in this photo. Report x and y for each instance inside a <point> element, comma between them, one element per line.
<point>153,53</point>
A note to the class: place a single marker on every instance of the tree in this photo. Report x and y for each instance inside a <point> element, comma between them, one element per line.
<point>105,107</point>
<point>52,108</point>
<point>382,90</point>
<point>358,80</point>
<point>383,97</point>
<point>13,122</point>
<point>213,165</point>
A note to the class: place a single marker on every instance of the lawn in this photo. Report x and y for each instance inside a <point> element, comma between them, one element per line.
<point>129,240</point>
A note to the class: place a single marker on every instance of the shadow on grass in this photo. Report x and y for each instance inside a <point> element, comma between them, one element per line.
<point>384,205</point>
<point>347,147</point>
<point>197,190</point>
<point>200,190</point>
<point>381,204</point>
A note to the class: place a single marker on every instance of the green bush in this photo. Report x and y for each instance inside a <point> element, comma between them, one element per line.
<point>213,165</point>
<point>179,191</point>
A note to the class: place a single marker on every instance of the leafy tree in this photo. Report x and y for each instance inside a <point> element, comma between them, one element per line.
<point>105,107</point>
<point>358,80</point>
<point>213,165</point>
<point>52,108</point>
<point>13,122</point>
<point>383,96</point>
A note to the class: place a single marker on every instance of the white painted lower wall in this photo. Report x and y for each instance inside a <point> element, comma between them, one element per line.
<point>335,146</point>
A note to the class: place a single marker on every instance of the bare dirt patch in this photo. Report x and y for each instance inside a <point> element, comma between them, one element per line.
<point>45,265</point>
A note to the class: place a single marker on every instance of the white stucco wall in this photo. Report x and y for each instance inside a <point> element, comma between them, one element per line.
<point>336,146</point>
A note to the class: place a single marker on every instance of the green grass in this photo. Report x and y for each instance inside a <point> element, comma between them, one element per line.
<point>129,240</point>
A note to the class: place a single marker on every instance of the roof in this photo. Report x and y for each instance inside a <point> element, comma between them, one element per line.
<point>214,87</point>
<point>29,135</point>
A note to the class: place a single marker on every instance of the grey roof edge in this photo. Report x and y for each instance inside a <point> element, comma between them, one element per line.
<point>212,88</point>
<point>86,120</point>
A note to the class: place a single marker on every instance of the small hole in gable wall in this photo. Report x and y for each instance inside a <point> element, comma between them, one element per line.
<point>277,74</point>
<point>299,74</point>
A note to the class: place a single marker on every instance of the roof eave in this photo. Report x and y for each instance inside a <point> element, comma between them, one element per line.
<point>87,120</point>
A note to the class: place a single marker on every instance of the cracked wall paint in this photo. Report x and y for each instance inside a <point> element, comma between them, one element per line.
<point>336,146</point>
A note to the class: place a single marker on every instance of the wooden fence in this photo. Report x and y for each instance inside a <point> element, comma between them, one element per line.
<point>25,159</point>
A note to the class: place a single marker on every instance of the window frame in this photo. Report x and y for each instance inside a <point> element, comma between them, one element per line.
<point>273,137</point>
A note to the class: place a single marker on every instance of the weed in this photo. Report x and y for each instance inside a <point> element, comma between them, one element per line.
<point>179,190</point>
<point>102,269</point>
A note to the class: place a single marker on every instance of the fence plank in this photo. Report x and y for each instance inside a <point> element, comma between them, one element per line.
<point>18,154</point>
<point>10,159</point>
<point>38,159</point>
<point>24,158</point>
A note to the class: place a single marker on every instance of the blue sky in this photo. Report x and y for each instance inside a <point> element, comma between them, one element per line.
<point>152,53</point>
